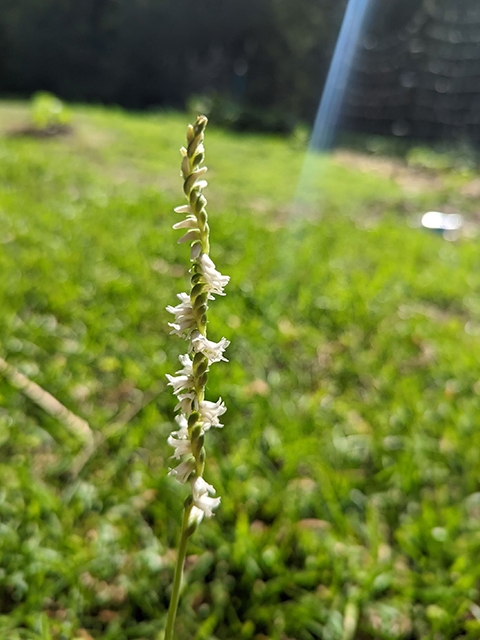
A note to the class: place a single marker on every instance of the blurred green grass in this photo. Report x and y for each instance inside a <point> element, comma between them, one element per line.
<point>349,465</point>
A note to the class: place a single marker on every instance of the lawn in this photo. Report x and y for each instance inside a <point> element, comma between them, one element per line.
<point>349,465</point>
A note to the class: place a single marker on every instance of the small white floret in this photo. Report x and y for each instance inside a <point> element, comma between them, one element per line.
<point>184,322</point>
<point>195,250</point>
<point>187,365</point>
<point>210,413</point>
<point>182,421</point>
<point>190,236</point>
<point>179,383</point>
<point>184,208</point>
<point>182,446</point>
<point>185,402</point>
<point>188,223</point>
<point>183,380</point>
<point>213,278</point>
<point>183,471</point>
<point>196,516</point>
<point>201,499</point>
<point>211,350</point>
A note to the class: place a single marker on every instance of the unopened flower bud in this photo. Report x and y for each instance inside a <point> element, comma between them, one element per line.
<point>202,367</point>
<point>196,278</point>
<point>197,443</point>
<point>192,147</point>
<point>200,124</point>
<point>193,179</point>
<point>200,311</point>
<point>200,203</point>
<point>193,522</point>
<point>185,167</point>
<point>197,290</point>
<point>197,358</point>
<point>202,218</point>
<point>196,250</point>
<point>202,380</point>
<point>191,235</point>
<point>198,159</point>
<point>193,419</point>
<point>200,300</point>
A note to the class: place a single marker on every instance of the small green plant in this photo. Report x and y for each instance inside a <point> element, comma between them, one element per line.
<point>196,415</point>
<point>48,111</point>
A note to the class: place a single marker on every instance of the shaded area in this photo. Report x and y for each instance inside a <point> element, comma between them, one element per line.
<point>418,72</point>
<point>252,54</point>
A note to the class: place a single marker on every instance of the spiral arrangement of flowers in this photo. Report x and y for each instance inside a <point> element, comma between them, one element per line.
<point>196,415</point>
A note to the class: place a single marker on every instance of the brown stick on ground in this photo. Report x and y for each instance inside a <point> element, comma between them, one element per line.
<point>79,427</point>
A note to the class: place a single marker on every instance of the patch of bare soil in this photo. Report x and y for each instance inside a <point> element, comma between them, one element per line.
<point>34,132</point>
<point>409,178</point>
<point>471,189</point>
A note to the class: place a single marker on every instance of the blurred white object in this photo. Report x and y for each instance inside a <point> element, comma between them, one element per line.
<point>442,221</point>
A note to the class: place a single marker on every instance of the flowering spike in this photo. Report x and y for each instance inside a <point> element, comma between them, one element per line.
<point>197,415</point>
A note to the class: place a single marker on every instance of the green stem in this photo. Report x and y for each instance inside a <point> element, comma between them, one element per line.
<point>177,581</point>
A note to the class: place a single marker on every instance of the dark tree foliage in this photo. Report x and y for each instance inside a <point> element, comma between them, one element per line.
<point>418,74</point>
<point>139,53</point>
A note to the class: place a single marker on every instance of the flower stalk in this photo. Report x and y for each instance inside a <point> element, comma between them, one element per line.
<point>196,414</point>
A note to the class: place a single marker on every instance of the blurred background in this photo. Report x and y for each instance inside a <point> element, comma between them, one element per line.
<point>252,64</point>
<point>344,203</point>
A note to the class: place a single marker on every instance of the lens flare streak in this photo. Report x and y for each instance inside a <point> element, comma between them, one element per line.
<point>335,86</point>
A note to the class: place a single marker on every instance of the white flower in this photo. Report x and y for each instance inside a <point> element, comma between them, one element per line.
<point>212,350</point>
<point>185,208</point>
<point>196,516</point>
<point>182,422</point>
<point>200,184</point>
<point>182,433</point>
<point>190,222</point>
<point>195,250</point>
<point>185,402</point>
<point>179,383</point>
<point>214,278</point>
<point>183,380</point>
<point>201,487</point>
<point>184,322</point>
<point>182,446</point>
<point>190,236</point>
<point>210,412</point>
<point>201,499</point>
<point>183,471</point>
<point>187,365</point>
<point>180,440</point>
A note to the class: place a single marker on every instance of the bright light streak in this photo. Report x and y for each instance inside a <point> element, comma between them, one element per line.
<point>335,86</point>
<point>338,74</point>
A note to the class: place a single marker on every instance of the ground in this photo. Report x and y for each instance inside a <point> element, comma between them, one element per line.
<point>349,462</point>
